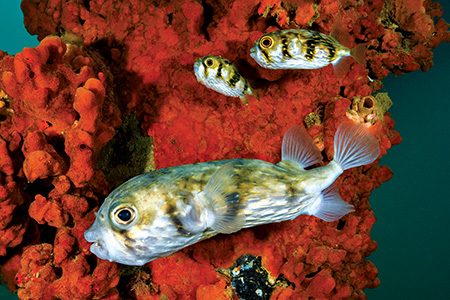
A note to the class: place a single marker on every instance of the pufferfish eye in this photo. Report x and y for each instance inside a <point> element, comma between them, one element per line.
<point>209,62</point>
<point>266,42</point>
<point>124,215</point>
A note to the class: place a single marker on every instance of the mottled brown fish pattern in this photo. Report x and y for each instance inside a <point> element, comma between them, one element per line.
<point>157,213</point>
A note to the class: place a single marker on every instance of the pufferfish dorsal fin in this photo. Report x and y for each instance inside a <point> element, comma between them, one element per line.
<point>299,147</point>
<point>224,200</point>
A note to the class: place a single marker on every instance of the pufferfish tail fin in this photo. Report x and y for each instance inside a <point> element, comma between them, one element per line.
<point>224,201</point>
<point>342,65</point>
<point>359,54</point>
<point>299,147</point>
<point>354,146</point>
<point>330,206</point>
<point>251,94</point>
<point>340,33</point>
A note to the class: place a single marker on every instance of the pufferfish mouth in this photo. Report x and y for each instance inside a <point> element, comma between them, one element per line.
<point>97,248</point>
<point>92,236</point>
<point>196,65</point>
<point>253,52</point>
<point>100,251</point>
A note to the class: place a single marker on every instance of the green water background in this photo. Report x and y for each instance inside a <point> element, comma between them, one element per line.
<point>412,209</point>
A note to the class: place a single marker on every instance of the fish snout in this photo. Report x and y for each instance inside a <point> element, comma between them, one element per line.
<point>253,52</point>
<point>93,233</point>
<point>197,64</point>
<point>100,251</point>
<point>90,235</point>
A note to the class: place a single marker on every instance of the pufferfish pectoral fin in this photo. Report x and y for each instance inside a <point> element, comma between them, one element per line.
<point>189,214</point>
<point>224,200</point>
<point>299,147</point>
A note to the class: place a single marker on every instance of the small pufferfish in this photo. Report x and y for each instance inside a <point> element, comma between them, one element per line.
<point>158,213</point>
<point>220,75</point>
<point>301,49</point>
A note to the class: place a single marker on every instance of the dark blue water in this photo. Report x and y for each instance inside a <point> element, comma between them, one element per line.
<point>412,210</point>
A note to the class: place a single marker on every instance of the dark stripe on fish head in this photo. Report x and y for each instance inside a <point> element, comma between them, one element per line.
<point>219,70</point>
<point>266,56</point>
<point>227,62</point>
<point>205,68</point>
<point>127,240</point>
<point>211,63</point>
<point>131,244</point>
<point>266,44</point>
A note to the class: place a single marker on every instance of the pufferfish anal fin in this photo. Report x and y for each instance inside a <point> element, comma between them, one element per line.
<point>299,147</point>
<point>223,199</point>
<point>330,206</point>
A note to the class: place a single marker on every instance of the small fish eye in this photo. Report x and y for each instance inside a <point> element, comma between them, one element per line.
<point>124,215</point>
<point>209,62</point>
<point>266,42</point>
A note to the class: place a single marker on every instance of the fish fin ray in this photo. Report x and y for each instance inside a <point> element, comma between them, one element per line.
<point>354,146</point>
<point>224,200</point>
<point>244,99</point>
<point>359,54</point>
<point>339,33</point>
<point>331,206</point>
<point>299,147</point>
<point>255,94</point>
<point>342,66</point>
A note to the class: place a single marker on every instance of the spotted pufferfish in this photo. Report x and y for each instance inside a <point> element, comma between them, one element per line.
<point>301,49</point>
<point>222,76</point>
<point>158,213</point>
